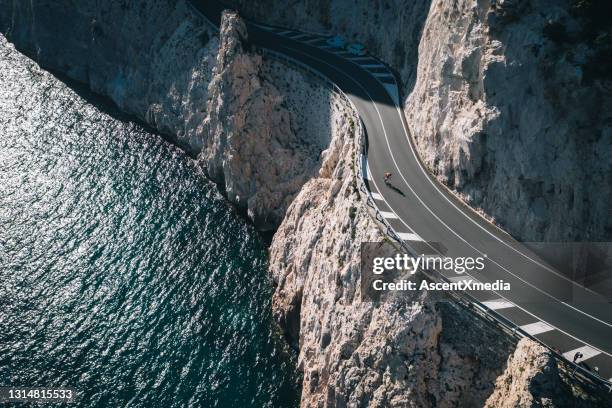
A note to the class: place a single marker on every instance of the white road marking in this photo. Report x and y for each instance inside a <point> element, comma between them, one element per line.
<point>285,32</point>
<point>366,168</point>
<point>442,222</point>
<point>536,328</point>
<point>453,231</point>
<point>409,236</point>
<point>388,214</point>
<point>498,304</point>
<point>544,266</point>
<point>314,40</point>
<point>587,352</point>
<point>377,196</point>
<point>437,188</point>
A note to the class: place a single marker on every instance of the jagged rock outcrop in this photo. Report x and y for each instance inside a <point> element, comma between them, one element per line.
<point>282,147</point>
<point>408,351</point>
<point>532,380</point>
<point>259,134</point>
<point>511,104</point>
<point>390,29</point>
<point>259,147</point>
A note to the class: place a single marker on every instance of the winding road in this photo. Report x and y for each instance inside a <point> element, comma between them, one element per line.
<point>565,316</point>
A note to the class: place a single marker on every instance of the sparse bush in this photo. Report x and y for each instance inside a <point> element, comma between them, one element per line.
<point>352,213</point>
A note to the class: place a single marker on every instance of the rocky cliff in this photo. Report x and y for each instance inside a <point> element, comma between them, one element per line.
<point>266,127</point>
<point>508,110</point>
<point>259,127</point>
<point>532,379</point>
<point>153,59</point>
<point>407,351</point>
<point>509,104</point>
<point>250,120</point>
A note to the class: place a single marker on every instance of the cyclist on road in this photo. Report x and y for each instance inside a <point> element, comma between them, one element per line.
<point>387,177</point>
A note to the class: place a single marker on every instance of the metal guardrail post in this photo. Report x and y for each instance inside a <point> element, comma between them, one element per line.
<point>465,300</point>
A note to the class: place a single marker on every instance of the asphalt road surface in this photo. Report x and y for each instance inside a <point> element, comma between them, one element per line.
<point>562,314</point>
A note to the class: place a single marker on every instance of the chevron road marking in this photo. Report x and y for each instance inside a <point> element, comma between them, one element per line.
<point>587,351</point>
<point>536,328</point>
<point>497,304</point>
<point>409,236</point>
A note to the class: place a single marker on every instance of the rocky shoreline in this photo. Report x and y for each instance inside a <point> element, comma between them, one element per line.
<point>281,145</point>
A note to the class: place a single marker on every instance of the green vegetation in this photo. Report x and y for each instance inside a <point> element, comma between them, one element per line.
<point>352,213</point>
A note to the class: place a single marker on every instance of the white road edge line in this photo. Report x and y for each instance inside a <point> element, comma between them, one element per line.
<point>448,227</point>
<point>469,218</point>
<point>376,196</point>
<point>373,181</point>
<point>389,214</point>
<point>463,239</point>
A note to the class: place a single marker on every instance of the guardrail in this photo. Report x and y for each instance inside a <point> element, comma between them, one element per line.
<point>360,143</point>
<point>465,300</point>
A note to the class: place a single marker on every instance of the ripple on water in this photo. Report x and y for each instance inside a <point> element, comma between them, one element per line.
<point>124,274</point>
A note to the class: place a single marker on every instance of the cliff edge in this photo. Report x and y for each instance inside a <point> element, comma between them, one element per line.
<point>282,147</point>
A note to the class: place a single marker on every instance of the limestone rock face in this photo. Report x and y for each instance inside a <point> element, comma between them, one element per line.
<point>531,379</point>
<point>153,58</point>
<point>390,29</point>
<point>509,103</point>
<point>500,111</point>
<point>253,147</point>
<point>410,351</point>
<point>507,111</point>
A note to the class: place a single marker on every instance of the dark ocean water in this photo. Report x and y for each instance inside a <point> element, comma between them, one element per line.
<point>123,273</point>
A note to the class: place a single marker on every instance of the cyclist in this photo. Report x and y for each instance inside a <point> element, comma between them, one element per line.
<point>387,177</point>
